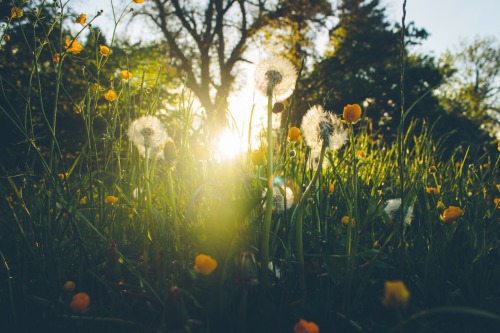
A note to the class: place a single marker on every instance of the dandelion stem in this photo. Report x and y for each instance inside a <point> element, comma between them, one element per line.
<point>266,229</point>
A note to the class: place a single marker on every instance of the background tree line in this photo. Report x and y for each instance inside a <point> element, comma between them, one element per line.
<point>204,44</point>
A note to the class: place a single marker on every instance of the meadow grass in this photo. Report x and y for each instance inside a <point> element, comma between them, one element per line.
<point>127,226</point>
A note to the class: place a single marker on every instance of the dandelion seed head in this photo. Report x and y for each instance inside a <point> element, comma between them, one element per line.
<point>275,76</point>
<point>392,207</point>
<point>280,200</point>
<point>148,132</point>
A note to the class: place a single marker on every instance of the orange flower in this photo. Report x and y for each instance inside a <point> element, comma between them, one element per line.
<point>138,1</point>
<point>395,294</point>
<point>331,188</point>
<point>204,264</point>
<point>80,303</point>
<point>126,75</point>
<point>496,201</point>
<point>105,51</point>
<point>56,58</point>
<point>450,214</point>
<point>345,220</point>
<point>16,12</point>
<point>111,199</point>
<point>6,37</point>
<point>433,190</point>
<point>294,134</point>
<point>304,326</point>
<point>83,201</point>
<point>111,95</point>
<point>63,176</point>
<point>69,286</point>
<point>72,46</point>
<point>81,19</point>
<point>361,153</point>
<point>258,157</point>
<point>352,113</point>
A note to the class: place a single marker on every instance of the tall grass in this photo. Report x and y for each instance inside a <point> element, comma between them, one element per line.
<point>126,229</point>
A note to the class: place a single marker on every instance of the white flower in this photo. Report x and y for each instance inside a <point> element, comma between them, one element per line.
<point>391,208</point>
<point>148,132</point>
<point>319,125</point>
<point>276,76</point>
<point>279,199</point>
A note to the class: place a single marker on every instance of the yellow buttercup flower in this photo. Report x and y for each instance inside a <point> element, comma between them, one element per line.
<point>496,201</point>
<point>204,264</point>
<point>16,12</point>
<point>304,326</point>
<point>138,1</point>
<point>111,199</point>
<point>126,75</point>
<point>63,176</point>
<point>111,95</point>
<point>104,50</point>
<point>258,157</point>
<point>433,190</point>
<point>69,286</point>
<point>345,220</point>
<point>352,113</point>
<point>72,46</point>
<point>83,201</point>
<point>396,294</point>
<point>81,19</point>
<point>294,134</point>
<point>331,188</point>
<point>451,214</point>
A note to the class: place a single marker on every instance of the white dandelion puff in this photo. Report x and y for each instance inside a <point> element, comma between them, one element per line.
<point>275,76</point>
<point>282,198</point>
<point>319,125</point>
<point>392,207</point>
<point>148,133</point>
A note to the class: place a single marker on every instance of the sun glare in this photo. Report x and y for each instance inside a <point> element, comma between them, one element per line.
<point>229,145</point>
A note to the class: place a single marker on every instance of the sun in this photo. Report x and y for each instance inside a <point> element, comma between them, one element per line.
<point>229,145</point>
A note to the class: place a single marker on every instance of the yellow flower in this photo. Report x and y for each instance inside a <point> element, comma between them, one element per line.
<point>126,75</point>
<point>81,19</point>
<point>496,201</point>
<point>294,134</point>
<point>83,201</point>
<point>111,95</point>
<point>95,88</point>
<point>331,188</point>
<point>450,214</point>
<point>361,153</point>
<point>440,205</point>
<point>433,190</point>
<point>395,294</point>
<point>105,51</point>
<point>258,157</point>
<point>56,58</point>
<point>16,12</point>
<point>6,37</point>
<point>72,46</point>
<point>498,145</point>
<point>63,176</point>
<point>204,264</point>
<point>345,220</point>
<point>69,286</point>
<point>111,199</point>
<point>304,326</point>
<point>138,1</point>
<point>352,113</point>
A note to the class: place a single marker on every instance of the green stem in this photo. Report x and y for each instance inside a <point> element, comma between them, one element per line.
<point>266,228</point>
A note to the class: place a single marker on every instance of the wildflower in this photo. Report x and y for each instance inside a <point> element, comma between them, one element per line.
<point>72,46</point>
<point>138,1</point>
<point>258,157</point>
<point>433,190</point>
<point>432,169</point>
<point>16,12</point>
<point>451,214</point>
<point>396,294</point>
<point>126,75</point>
<point>331,188</point>
<point>440,205</point>
<point>278,107</point>
<point>69,286</point>
<point>304,326</point>
<point>352,113</point>
<point>83,201</point>
<point>111,200</point>
<point>318,126</point>
<point>148,133</point>
<point>345,221</point>
<point>111,95</point>
<point>496,201</point>
<point>80,303</point>
<point>95,88</point>
<point>204,264</point>
<point>6,38</point>
<point>392,207</point>
<point>63,176</point>
<point>275,76</point>
<point>361,153</point>
<point>104,50</point>
<point>294,134</point>
<point>81,19</point>
<point>56,58</point>
<point>170,151</point>
<point>376,245</point>
<point>282,198</point>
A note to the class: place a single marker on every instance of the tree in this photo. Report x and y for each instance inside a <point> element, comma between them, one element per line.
<point>472,90</point>
<point>207,39</point>
<point>363,66</point>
